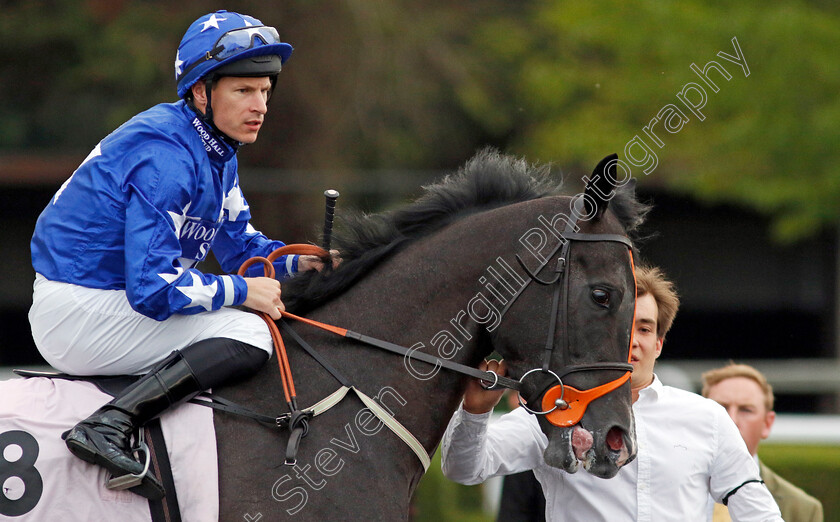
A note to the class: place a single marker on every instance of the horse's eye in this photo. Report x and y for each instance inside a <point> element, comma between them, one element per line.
<point>601,297</point>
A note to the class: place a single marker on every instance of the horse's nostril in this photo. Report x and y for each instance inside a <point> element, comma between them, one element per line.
<point>615,440</point>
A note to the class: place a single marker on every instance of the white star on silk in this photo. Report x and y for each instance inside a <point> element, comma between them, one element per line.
<point>198,293</point>
<point>96,152</point>
<point>212,22</point>
<point>234,203</point>
<point>169,278</point>
<point>178,220</point>
<point>178,64</point>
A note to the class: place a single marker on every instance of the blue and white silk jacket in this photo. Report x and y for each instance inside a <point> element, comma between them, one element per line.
<point>144,208</point>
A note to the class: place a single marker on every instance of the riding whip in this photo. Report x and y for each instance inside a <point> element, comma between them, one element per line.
<point>330,195</point>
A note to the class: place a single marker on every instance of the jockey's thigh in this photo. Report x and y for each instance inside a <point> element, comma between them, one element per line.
<point>88,331</point>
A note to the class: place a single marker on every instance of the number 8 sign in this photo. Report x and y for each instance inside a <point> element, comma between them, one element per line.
<point>18,453</point>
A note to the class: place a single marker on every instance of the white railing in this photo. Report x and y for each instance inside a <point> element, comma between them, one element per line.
<point>793,376</point>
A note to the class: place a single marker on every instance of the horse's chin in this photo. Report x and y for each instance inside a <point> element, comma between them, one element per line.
<point>559,453</point>
<point>601,454</point>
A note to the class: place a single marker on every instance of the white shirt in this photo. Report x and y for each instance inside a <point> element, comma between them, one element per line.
<point>688,449</point>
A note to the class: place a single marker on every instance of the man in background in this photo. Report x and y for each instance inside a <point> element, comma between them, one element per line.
<point>748,398</point>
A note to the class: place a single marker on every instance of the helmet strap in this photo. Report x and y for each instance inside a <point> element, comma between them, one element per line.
<point>208,107</point>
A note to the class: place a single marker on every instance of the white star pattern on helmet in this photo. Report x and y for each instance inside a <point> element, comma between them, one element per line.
<point>178,220</point>
<point>199,293</point>
<point>212,22</point>
<point>234,203</point>
<point>178,64</point>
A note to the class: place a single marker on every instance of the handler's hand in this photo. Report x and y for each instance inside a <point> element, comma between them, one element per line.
<point>314,262</point>
<point>264,296</point>
<point>479,400</point>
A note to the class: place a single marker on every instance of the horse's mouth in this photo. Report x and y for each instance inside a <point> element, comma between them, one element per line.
<point>600,455</point>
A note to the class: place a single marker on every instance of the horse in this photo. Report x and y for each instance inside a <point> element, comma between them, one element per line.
<point>449,275</point>
<point>491,259</point>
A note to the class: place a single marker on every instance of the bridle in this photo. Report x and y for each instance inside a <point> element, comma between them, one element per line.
<point>565,405</point>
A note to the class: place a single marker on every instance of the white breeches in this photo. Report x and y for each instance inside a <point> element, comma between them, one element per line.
<point>87,331</point>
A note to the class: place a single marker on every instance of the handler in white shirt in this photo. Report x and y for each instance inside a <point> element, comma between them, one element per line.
<point>688,447</point>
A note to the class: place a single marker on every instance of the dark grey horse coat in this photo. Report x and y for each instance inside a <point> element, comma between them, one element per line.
<point>434,276</point>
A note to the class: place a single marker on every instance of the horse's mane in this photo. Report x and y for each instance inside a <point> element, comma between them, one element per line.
<point>488,180</point>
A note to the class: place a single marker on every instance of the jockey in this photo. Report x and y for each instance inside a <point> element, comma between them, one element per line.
<point>116,288</point>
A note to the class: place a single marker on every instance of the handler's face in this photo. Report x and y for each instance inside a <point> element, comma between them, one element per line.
<point>646,345</point>
<point>239,105</point>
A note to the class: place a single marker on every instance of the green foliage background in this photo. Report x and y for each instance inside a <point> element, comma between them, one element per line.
<point>411,84</point>
<point>586,77</point>
<point>814,468</point>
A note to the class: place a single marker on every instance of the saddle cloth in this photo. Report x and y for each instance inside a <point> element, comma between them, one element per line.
<point>41,480</point>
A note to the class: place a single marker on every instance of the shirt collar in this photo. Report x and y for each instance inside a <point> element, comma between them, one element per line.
<point>653,390</point>
<point>216,147</point>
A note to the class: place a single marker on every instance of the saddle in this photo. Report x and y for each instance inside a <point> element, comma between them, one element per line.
<point>157,460</point>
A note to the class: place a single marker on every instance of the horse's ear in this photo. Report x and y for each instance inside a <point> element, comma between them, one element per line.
<point>599,190</point>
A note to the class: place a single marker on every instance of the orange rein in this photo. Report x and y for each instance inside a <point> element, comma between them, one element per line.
<point>279,347</point>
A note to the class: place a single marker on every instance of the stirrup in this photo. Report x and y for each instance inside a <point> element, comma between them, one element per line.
<point>131,480</point>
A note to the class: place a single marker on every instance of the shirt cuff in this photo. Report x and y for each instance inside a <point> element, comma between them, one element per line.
<point>240,290</point>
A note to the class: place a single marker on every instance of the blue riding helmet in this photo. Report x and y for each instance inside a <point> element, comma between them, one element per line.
<point>217,40</point>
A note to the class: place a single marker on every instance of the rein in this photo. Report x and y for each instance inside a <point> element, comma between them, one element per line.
<point>280,348</point>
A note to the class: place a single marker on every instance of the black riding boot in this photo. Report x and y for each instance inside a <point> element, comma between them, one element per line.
<point>104,437</point>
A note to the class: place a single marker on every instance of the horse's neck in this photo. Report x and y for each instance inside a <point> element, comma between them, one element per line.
<point>419,299</point>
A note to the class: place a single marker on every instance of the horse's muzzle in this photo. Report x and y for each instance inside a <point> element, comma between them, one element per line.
<point>601,453</point>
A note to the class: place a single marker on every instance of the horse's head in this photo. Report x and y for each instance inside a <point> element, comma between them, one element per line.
<point>569,332</point>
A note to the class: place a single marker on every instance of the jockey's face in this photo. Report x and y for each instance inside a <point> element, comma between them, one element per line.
<point>239,105</point>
